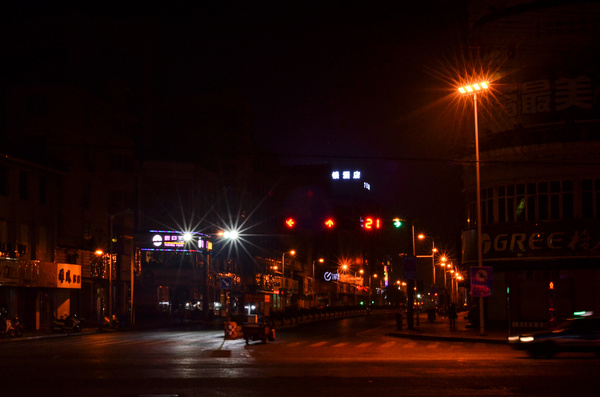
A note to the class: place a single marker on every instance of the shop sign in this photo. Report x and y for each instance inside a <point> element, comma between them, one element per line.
<point>68,275</point>
<point>519,241</point>
<point>481,281</point>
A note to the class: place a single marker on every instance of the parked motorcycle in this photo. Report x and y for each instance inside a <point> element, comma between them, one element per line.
<point>17,326</point>
<point>112,323</point>
<point>6,326</point>
<point>66,324</point>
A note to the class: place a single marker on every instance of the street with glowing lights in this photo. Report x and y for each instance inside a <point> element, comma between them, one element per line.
<point>354,356</point>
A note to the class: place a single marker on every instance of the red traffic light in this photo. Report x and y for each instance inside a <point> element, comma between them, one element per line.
<point>290,222</point>
<point>329,223</point>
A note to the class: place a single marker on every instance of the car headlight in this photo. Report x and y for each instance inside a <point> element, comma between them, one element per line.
<point>513,338</point>
<point>526,339</point>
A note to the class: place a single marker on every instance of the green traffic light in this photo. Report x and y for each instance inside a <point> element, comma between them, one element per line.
<point>397,222</point>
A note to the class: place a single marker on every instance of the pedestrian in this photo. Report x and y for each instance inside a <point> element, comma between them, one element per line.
<point>452,315</point>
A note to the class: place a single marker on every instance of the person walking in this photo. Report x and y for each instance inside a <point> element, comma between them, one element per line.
<point>452,315</point>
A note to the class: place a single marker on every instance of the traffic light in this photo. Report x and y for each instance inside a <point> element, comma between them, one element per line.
<point>370,223</point>
<point>290,223</point>
<point>397,222</point>
<point>329,223</point>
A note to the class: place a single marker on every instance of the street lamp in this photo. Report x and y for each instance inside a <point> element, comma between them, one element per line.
<point>473,89</point>
<point>292,252</point>
<point>321,260</point>
<point>443,260</point>
<point>433,251</point>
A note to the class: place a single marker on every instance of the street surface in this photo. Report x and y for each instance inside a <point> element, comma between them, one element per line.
<point>352,357</point>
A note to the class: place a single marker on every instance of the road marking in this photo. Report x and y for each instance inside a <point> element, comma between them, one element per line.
<point>294,344</point>
<point>364,344</point>
<point>318,344</point>
<point>388,344</point>
<point>340,344</point>
<point>456,345</point>
<point>410,344</point>
<point>433,345</point>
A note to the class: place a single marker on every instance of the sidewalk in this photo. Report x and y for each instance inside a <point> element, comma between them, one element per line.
<point>440,330</point>
<point>217,324</point>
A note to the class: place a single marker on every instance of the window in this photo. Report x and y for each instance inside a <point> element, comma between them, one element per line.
<point>487,205</point>
<point>501,204</point>
<point>43,188</point>
<point>3,180</point>
<point>590,198</point>
<point>567,200</point>
<point>526,202</point>
<point>23,185</point>
<point>543,201</point>
<point>531,198</point>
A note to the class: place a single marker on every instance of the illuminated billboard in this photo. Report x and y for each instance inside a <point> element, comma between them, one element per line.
<point>176,241</point>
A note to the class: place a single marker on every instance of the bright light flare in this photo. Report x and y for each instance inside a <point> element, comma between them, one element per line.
<point>231,234</point>
<point>476,87</point>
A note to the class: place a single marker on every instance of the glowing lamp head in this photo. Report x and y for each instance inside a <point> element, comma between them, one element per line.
<point>476,87</point>
<point>231,234</point>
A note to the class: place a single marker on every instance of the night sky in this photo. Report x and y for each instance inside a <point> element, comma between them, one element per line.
<point>365,83</point>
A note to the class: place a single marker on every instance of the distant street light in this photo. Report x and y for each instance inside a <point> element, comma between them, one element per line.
<point>473,89</point>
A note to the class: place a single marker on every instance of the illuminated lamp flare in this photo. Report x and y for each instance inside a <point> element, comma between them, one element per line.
<point>473,88</point>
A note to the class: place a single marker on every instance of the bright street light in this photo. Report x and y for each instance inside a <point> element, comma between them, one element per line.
<point>473,89</point>
<point>231,234</point>
<point>292,252</point>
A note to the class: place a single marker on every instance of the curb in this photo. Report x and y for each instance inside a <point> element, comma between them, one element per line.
<point>448,338</point>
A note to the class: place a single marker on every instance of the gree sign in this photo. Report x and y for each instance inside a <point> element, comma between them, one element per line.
<point>556,240</point>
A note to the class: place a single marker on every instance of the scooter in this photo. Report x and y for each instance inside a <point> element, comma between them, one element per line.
<point>7,327</point>
<point>17,326</point>
<point>66,324</point>
<point>112,323</point>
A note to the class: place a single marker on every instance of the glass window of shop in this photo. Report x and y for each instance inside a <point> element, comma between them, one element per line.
<point>532,201</point>
<point>590,198</point>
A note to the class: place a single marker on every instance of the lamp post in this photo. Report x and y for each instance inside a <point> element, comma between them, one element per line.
<point>473,89</point>
<point>321,260</point>
<point>292,252</point>
<point>371,287</point>
<point>433,251</point>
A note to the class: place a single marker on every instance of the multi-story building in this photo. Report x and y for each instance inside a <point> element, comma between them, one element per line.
<point>540,168</point>
<point>91,193</point>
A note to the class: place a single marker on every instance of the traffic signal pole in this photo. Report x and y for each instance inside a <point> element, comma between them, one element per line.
<point>410,291</point>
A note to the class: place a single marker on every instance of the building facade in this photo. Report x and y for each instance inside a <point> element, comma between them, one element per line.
<point>540,168</point>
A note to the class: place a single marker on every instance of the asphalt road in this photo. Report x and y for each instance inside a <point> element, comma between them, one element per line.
<point>349,357</point>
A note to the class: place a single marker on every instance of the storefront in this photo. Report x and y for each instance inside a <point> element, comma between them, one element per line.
<point>37,291</point>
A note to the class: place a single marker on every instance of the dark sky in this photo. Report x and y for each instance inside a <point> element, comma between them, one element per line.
<point>351,82</point>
